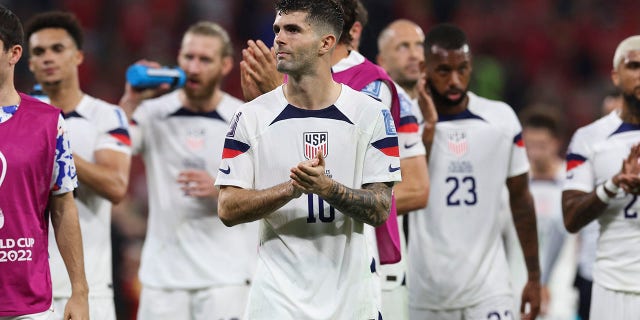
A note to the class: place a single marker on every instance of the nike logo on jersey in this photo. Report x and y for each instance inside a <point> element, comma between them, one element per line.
<point>393,169</point>
<point>409,146</point>
<point>225,171</point>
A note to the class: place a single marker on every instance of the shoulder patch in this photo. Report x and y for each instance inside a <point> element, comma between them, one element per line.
<point>389,125</point>
<point>373,89</point>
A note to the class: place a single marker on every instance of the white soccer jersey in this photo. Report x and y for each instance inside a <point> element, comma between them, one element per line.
<point>314,262</point>
<point>456,253</point>
<point>94,125</point>
<point>595,154</point>
<point>186,245</point>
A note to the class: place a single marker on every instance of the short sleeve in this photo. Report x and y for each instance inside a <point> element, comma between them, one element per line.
<point>518,162</point>
<point>382,161</point>
<point>64,170</point>
<point>115,132</point>
<point>409,135</point>
<point>237,166</point>
<point>580,174</point>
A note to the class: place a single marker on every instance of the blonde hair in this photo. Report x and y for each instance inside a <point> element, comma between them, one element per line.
<point>208,28</point>
<point>628,44</point>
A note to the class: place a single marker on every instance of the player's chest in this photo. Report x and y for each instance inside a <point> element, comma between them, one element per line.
<point>609,154</point>
<point>187,134</point>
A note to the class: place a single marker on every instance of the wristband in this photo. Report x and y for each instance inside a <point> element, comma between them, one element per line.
<point>611,187</point>
<point>602,194</point>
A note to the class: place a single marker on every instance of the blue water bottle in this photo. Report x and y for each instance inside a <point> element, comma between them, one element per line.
<point>144,77</point>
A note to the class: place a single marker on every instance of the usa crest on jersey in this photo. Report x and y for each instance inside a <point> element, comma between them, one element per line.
<point>457,143</point>
<point>315,142</point>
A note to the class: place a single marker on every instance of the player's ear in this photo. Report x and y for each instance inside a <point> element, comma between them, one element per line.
<point>16,53</point>
<point>227,65</point>
<point>327,43</point>
<point>615,77</point>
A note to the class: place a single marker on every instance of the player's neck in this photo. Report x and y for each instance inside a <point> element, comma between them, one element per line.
<point>411,90</point>
<point>8,94</point>
<point>340,52</point>
<point>64,97</point>
<point>205,104</point>
<point>452,110</point>
<point>312,92</point>
<point>629,114</point>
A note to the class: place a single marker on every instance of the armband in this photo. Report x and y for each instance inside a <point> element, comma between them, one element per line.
<point>602,194</point>
<point>611,187</point>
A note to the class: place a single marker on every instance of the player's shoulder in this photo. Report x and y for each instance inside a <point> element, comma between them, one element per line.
<point>36,104</point>
<point>228,105</point>
<point>494,112</point>
<point>96,107</point>
<point>354,101</point>
<point>488,106</point>
<point>599,129</point>
<point>162,105</point>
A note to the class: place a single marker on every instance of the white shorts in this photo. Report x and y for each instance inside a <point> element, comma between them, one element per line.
<point>99,308</point>
<point>225,303</point>
<point>46,315</point>
<point>494,308</point>
<point>395,303</point>
<point>610,304</point>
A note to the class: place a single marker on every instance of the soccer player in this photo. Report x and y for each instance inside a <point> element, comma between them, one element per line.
<point>315,162</point>
<point>400,47</point>
<point>37,181</point>
<point>541,134</point>
<point>101,150</point>
<point>596,188</point>
<point>192,266</point>
<point>457,265</point>
<point>258,73</point>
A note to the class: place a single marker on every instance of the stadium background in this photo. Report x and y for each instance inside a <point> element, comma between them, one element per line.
<point>552,52</point>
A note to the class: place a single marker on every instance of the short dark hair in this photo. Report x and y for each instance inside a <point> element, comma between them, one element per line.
<point>323,12</point>
<point>542,117</point>
<point>57,20</point>
<point>11,32</point>
<point>362,15</point>
<point>446,36</point>
<point>349,7</point>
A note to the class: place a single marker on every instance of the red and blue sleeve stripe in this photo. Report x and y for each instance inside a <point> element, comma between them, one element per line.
<point>408,124</point>
<point>233,148</point>
<point>388,146</point>
<point>517,140</point>
<point>122,135</point>
<point>574,160</point>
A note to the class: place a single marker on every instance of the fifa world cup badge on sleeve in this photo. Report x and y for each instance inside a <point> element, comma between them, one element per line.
<point>389,126</point>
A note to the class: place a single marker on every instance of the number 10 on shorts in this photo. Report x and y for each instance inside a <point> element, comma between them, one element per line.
<point>316,204</point>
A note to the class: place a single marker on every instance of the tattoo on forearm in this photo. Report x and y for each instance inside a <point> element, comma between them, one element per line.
<point>369,205</point>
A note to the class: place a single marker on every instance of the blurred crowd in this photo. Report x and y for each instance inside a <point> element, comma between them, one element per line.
<point>552,52</point>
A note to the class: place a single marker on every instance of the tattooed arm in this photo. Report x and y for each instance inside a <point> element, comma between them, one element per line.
<point>369,205</point>
<point>237,205</point>
<point>524,219</point>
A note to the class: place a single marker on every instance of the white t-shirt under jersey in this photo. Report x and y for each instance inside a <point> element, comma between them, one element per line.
<point>187,246</point>
<point>456,252</point>
<point>314,262</point>
<point>595,154</point>
<point>94,125</point>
